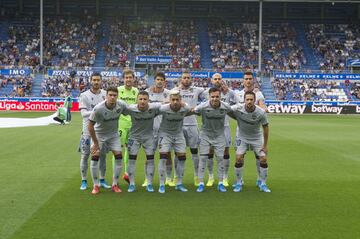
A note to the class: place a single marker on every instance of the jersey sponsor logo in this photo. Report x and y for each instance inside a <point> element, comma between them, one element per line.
<point>118,110</point>
<point>128,98</point>
<point>111,119</point>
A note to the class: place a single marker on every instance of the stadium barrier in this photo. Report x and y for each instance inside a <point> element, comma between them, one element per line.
<point>34,104</point>
<point>310,107</point>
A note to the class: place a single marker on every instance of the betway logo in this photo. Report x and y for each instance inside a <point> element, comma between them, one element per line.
<point>290,109</point>
<point>326,109</point>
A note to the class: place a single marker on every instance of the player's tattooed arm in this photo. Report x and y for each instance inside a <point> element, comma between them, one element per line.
<point>192,112</point>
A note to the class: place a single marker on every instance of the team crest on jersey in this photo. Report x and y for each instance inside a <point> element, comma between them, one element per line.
<point>150,111</point>
<point>118,111</point>
<point>222,111</point>
<point>253,117</point>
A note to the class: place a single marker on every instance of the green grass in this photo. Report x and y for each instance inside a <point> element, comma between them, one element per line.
<point>314,174</point>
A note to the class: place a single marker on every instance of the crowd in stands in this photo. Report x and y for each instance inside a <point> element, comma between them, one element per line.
<point>16,86</point>
<point>233,46</point>
<point>334,44</point>
<point>309,90</point>
<point>281,50</point>
<point>22,46</point>
<point>172,38</point>
<point>71,42</point>
<point>119,45</point>
<point>355,90</point>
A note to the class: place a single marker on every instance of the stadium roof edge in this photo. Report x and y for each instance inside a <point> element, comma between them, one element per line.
<point>285,1</point>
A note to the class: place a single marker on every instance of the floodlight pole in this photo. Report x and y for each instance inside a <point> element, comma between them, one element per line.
<point>260,36</point>
<point>41,32</point>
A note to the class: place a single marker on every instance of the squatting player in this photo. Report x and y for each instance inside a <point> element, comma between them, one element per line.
<point>103,129</point>
<point>141,134</point>
<point>88,100</point>
<point>250,119</point>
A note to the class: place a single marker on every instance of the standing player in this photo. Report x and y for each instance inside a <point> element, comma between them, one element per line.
<point>172,137</point>
<point>249,85</point>
<point>88,100</point>
<point>250,119</point>
<point>68,102</point>
<point>213,114</point>
<point>159,94</point>
<point>191,95</point>
<point>141,134</point>
<point>228,96</point>
<point>128,94</point>
<point>103,129</point>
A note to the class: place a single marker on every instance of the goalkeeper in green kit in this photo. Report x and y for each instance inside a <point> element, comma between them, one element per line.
<point>127,93</point>
<point>61,114</point>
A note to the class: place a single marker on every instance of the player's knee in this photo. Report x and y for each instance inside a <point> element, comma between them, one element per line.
<point>257,157</point>
<point>132,157</point>
<point>263,162</point>
<point>150,157</point>
<point>95,158</point>
<point>182,157</point>
<point>211,155</point>
<point>239,163</point>
<point>163,155</point>
<point>226,156</point>
<point>194,151</point>
<point>118,157</point>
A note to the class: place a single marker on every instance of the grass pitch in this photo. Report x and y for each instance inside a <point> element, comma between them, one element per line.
<point>314,167</point>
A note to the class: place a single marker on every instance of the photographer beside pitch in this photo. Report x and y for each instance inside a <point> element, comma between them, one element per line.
<point>250,118</point>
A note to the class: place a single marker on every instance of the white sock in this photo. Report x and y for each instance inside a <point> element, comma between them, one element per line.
<point>263,174</point>
<point>202,166</point>
<point>150,169</point>
<point>195,159</point>
<point>102,165</point>
<point>180,171</point>
<point>239,174</point>
<point>94,170</point>
<point>168,170</point>
<point>131,171</point>
<point>210,167</point>
<point>117,171</point>
<point>84,166</point>
<point>226,163</point>
<point>162,171</point>
<point>220,168</point>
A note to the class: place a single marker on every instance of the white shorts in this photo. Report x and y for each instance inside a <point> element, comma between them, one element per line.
<point>227,133</point>
<point>191,134</point>
<point>217,143</point>
<point>135,144</point>
<point>172,142</point>
<point>256,146</point>
<point>108,144</point>
<point>84,146</point>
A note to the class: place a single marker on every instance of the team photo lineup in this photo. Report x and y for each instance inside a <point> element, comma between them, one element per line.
<point>179,119</point>
<point>163,119</point>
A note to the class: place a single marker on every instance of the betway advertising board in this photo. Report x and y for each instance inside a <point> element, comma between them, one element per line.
<point>310,107</point>
<point>33,104</point>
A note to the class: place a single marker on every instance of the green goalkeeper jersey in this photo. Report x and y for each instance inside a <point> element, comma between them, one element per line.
<point>62,113</point>
<point>129,96</point>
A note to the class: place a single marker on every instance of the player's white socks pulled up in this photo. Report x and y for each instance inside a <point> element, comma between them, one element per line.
<point>168,171</point>
<point>202,166</point>
<point>149,170</point>
<point>220,168</point>
<point>195,159</point>
<point>131,171</point>
<point>102,166</point>
<point>263,174</point>
<point>180,171</point>
<point>226,163</point>
<point>239,174</point>
<point>210,167</point>
<point>94,170</point>
<point>258,168</point>
<point>162,171</point>
<point>117,171</point>
<point>84,166</point>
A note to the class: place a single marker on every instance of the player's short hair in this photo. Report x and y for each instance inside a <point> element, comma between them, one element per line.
<point>185,72</point>
<point>160,74</point>
<point>143,93</point>
<point>250,93</point>
<point>112,88</point>
<point>216,74</point>
<point>213,89</point>
<point>128,72</point>
<point>248,73</point>
<point>174,93</point>
<point>95,74</point>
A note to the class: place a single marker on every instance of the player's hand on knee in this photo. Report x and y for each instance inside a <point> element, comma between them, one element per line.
<point>95,149</point>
